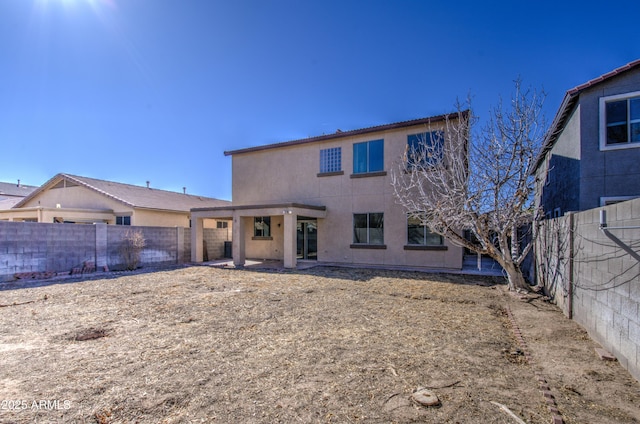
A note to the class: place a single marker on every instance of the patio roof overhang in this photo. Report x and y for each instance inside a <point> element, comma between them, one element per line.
<point>270,209</point>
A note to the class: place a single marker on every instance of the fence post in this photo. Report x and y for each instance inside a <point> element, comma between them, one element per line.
<point>101,247</point>
<point>180,245</point>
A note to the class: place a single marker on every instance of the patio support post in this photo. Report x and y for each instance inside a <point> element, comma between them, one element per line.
<point>197,235</point>
<point>290,239</point>
<point>237,239</point>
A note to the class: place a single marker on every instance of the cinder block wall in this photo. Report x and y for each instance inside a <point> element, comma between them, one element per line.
<point>59,248</point>
<point>161,245</point>
<point>39,247</point>
<point>215,238</point>
<point>593,274</point>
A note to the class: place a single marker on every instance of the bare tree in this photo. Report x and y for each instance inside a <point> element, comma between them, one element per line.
<point>455,179</point>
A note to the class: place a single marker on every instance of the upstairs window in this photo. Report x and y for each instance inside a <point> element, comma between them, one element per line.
<point>331,160</point>
<point>368,157</point>
<point>620,121</point>
<point>425,149</point>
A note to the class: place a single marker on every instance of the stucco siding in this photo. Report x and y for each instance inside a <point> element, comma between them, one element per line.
<point>77,197</point>
<point>149,218</point>
<point>607,173</point>
<point>560,188</point>
<point>291,174</point>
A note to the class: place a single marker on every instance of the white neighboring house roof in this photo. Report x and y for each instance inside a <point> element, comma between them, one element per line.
<point>132,195</point>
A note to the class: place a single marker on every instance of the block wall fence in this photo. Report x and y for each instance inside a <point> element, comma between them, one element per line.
<point>30,249</point>
<point>592,272</point>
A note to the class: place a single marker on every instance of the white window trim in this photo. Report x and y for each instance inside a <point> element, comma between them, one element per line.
<point>604,200</point>
<point>603,123</point>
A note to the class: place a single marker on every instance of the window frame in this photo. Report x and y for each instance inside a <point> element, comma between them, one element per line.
<point>604,146</point>
<point>369,169</point>
<point>435,135</point>
<point>612,200</point>
<point>123,218</point>
<point>425,245</point>
<point>328,156</point>
<point>368,243</point>
<point>263,220</point>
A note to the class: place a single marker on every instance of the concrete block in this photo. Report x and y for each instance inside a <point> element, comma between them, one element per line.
<point>623,211</point>
<point>614,300</point>
<point>634,291</point>
<point>620,325</point>
<point>587,217</point>
<point>628,351</point>
<point>614,266</point>
<point>634,332</point>
<point>629,308</point>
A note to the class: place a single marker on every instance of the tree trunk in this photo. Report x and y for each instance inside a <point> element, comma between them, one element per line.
<point>515,277</point>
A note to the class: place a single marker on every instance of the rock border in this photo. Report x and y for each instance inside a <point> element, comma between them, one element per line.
<point>550,400</point>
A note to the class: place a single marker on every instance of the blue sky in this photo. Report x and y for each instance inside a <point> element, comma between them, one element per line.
<point>157,90</point>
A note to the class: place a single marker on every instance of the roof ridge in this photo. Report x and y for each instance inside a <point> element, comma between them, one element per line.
<point>142,187</point>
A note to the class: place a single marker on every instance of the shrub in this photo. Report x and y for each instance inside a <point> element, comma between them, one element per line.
<point>132,244</point>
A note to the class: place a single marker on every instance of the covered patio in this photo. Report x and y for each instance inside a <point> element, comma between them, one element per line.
<point>243,216</point>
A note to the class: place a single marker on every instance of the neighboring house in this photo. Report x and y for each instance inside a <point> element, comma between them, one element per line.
<point>591,156</point>
<point>73,199</point>
<point>11,193</point>
<point>328,198</point>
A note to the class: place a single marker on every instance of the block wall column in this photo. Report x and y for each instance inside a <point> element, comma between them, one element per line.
<point>101,247</point>
<point>179,245</point>
<point>197,236</point>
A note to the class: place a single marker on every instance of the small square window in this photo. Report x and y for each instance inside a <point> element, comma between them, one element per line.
<point>262,226</point>
<point>331,160</point>
<point>123,220</point>
<point>222,224</point>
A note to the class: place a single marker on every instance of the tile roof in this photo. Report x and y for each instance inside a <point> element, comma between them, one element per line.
<point>8,202</point>
<point>17,190</point>
<point>342,134</point>
<point>135,196</point>
<point>567,105</point>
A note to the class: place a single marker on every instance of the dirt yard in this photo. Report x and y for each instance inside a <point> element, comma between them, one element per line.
<point>201,344</point>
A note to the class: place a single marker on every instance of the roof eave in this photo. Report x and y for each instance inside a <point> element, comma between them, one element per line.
<point>344,134</point>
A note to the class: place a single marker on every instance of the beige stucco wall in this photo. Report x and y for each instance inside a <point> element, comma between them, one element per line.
<point>289,174</point>
<point>153,218</point>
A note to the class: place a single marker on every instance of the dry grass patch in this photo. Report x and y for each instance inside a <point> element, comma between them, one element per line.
<point>325,345</point>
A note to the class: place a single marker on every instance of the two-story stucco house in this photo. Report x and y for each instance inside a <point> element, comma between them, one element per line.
<point>591,156</point>
<point>328,198</point>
